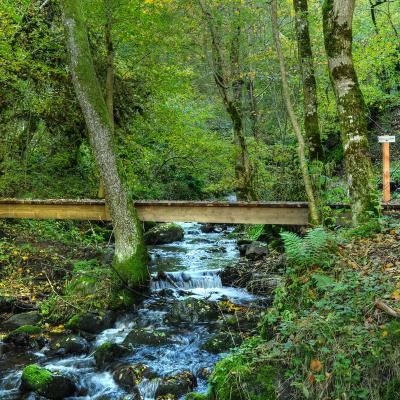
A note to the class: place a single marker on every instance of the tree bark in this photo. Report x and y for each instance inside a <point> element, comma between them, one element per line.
<point>306,61</point>
<point>314,216</point>
<point>130,253</point>
<point>338,35</point>
<point>230,86</point>
<point>110,73</point>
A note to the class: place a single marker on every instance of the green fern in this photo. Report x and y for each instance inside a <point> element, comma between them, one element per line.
<point>312,249</point>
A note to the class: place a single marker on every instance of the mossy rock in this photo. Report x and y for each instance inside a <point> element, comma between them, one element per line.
<point>91,323</point>
<point>23,319</point>
<point>128,376</point>
<point>108,353</point>
<point>70,345</point>
<point>222,342</point>
<point>29,329</point>
<point>163,234</point>
<point>45,383</point>
<point>138,337</point>
<point>192,311</point>
<point>177,385</point>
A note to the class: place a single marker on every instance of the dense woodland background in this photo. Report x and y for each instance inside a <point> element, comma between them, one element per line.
<point>172,132</point>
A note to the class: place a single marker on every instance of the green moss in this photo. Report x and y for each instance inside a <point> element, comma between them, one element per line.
<point>36,377</point>
<point>197,396</point>
<point>122,298</point>
<point>392,390</point>
<point>73,322</point>
<point>133,270</point>
<point>30,329</point>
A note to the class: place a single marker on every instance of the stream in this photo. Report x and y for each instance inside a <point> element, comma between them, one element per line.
<point>191,267</point>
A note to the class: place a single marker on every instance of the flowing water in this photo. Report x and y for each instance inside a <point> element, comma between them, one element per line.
<point>190,269</point>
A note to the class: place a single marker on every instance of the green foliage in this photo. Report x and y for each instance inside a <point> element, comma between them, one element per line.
<point>312,249</point>
<point>241,376</point>
<point>253,232</point>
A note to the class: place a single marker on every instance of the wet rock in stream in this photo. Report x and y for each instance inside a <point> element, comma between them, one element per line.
<point>109,353</point>
<point>177,385</point>
<point>45,383</point>
<point>138,337</point>
<point>192,310</point>
<point>69,345</point>
<point>91,323</point>
<point>164,234</point>
<point>128,376</point>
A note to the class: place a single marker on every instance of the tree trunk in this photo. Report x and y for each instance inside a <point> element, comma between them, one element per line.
<point>110,73</point>
<point>130,253</point>
<point>338,35</point>
<point>311,122</point>
<point>314,216</point>
<point>230,86</point>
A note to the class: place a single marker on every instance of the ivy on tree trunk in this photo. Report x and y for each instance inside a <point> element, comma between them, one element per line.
<point>338,35</point>
<point>306,61</point>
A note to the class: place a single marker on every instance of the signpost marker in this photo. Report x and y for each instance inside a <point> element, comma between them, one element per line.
<point>386,140</point>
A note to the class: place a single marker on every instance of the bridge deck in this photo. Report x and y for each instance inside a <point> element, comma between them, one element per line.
<point>280,213</point>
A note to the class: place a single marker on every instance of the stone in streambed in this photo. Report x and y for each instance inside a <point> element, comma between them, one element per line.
<point>70,345</point>
<point>138,337</point>
<point>256,251</point>
<point>91,323</point>
<point>45,383</point>
<point>23,319</point>
<point>128,376</point>
<point>177,385</point>
<point>108,353</point>
<point>193,311</point>
<point>163,234</point>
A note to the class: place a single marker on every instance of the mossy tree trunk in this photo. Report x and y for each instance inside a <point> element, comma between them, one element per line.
<point>338,35</point>
<point>306,61</point>
<point>130,253</point>
<point>314,214</point>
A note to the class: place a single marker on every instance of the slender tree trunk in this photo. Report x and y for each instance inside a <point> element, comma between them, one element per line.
<point>230,86</point>
<point>293,118</point>
<point>130,253</point>
<point>337,21</point>
<point>311,122</point>
<point>253,109</point>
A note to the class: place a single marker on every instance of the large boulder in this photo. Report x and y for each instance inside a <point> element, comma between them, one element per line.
<point>91,323</point>
<point>45,383</point>
<point>192,311</point>
<point>108,353</point>
<point>70,345</point>
<point>256,251</point>
<point>163,234</point>
<point>23,319</point>
<point>177,385</point>
<point>138,337</point>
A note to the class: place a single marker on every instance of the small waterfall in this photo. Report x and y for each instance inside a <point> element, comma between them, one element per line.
<point>148,388</point>
<point>186,280</point>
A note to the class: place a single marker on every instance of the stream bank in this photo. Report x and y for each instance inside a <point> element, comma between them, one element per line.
<point>164,348</point>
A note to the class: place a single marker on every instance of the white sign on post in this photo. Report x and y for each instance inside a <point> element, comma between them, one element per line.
<point>386,139</point>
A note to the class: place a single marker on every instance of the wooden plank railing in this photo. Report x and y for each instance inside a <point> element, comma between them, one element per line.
<point>279,213</point>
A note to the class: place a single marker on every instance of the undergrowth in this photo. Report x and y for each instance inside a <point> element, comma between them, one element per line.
<point>323,338</point>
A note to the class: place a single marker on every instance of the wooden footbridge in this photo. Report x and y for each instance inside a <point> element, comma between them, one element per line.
<point>271,213</point>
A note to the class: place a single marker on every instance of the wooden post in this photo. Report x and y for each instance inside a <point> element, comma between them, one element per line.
<point>386,140</point>
<point>386,172</point>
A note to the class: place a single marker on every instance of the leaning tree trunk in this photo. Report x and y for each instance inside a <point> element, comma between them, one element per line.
<point>337,21</point>
<point>314,215</point>
<point>130,253</point>
<point>311,122</point>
